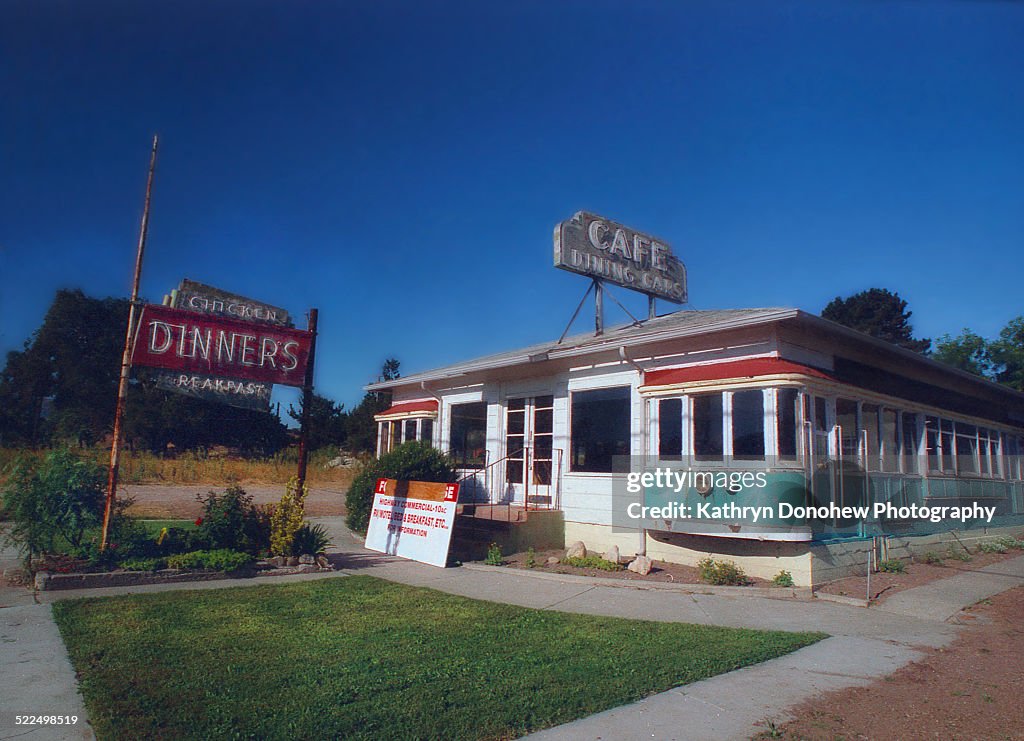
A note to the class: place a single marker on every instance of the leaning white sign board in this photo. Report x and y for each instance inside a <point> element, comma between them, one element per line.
<point>413,519</point>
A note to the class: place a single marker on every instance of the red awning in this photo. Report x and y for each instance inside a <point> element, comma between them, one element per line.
<point>410,407</point>
<point>737,369</point>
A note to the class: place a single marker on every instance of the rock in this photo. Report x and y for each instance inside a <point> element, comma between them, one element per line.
<point>552,561</point>
<point>612,554</point>
<point>306,558</point>
<point>277,561</point>
<point>42,580</point>
<point>641,565</point>
<point>341,461</point>
<point>323,563</point>
<point>306,568</point>
<point>292,561</point>
<point>576,550</point>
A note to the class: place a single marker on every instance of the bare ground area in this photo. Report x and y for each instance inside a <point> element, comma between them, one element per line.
<point>970,690</point>
<point>884,584</point>
<point>662,571</point>
<point>178,502</point>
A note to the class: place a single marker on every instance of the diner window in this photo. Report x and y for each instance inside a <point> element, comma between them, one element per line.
<point>385,439</point>
<point>869,423</point>
<point>600,428</point>
<point>468,434</point>
<point>889,435</point>
<point>670,429</point>
<point>933,444</point>
<point>410,430</point>
<point>946,433</point>
<point>911,442</point>
<point>427,431</point>
<point>986,463</point>
<point>846,420</point>
<point>708,420</point>
<point>1014,448</point>
<point>787,423</point>
<point>748,425</point>
<point>966,448</point>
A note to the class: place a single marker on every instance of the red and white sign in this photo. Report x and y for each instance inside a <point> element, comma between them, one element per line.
<point>200,343</point>
<point>413,519</point>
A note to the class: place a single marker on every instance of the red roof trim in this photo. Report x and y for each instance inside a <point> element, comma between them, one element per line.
<point>410,407</point>
<point>737,369</point>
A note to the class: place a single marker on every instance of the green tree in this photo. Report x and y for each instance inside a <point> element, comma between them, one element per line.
<point>1007,354</point>
<point>879,313</point>
<point>362,428</point>
<point>968,351</point>
<point>327,422</point>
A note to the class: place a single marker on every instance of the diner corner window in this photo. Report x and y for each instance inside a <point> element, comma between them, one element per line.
<point>427,431</point>
<point>869,425</point>
<point>966,448</point>
<point>708,421</point>
<point>889,434</point>
<point>932,443</point>
<point>911,442</point>
<point>670,429</point>
<point>787,423</point>
<point>748,425</point>
<point>468,434</point>
<point>410,430</point>
<point>946,427</point>
<point>600,428</point>
<point>385,427</point>
<point>846,420</point>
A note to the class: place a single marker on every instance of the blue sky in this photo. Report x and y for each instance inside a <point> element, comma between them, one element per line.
<point>401,166</point>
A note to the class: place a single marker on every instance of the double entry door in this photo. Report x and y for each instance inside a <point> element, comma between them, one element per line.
<point>529,450</point>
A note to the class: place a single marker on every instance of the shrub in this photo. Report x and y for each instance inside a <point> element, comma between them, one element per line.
<point>223,559</point>
<point>721,573</point>
<point>592,562</point>
<point>892,566</point>
<point>411,461</point>
<point>531,558</point>
<point>783,579</point>
<point>144,564</point>
<point>933,558</point>
<point>494,557</point>
<point>1011,542</point>
<point>311,539</point>
<point>53,502</point>
<point>286,520</point>
<point>992,547</point>
<point>960,554</point>
<point>230,520</point>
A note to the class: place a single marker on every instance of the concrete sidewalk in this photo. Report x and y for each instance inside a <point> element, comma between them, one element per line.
<point>865,643</point>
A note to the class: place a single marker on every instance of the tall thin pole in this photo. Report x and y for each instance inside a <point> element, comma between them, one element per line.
<point>598,307</point>
<point>307,402</point>
<point>126,358</point>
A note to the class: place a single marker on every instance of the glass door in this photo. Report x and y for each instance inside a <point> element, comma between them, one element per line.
<point>529,450</point>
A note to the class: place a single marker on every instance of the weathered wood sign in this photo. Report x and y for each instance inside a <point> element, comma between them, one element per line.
<point>194,296</point>
<point>253,395</point>
<point>602,249</point>
<point>189,342</point>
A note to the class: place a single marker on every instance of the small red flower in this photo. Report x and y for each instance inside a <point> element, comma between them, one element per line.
<point>199,521</point>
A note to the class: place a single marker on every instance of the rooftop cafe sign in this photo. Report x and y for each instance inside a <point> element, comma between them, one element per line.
<point>189,342</point>
<point>599,248</point>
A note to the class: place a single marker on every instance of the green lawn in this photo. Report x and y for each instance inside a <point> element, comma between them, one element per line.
<point>358,657</point>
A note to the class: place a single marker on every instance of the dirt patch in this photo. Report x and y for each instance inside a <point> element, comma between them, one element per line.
<point>969,690</point>
<point>178,502</point>
<point>884,584</point>
<point>662,572</point>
